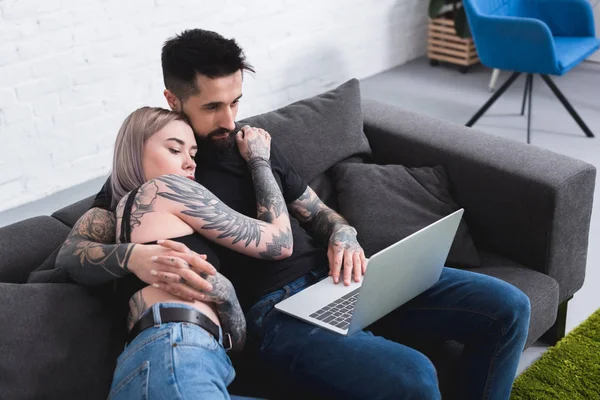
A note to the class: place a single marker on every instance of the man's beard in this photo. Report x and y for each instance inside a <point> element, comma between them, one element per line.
<point>220,147</point>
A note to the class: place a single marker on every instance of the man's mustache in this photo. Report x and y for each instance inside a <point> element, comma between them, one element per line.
<point>219,132</point>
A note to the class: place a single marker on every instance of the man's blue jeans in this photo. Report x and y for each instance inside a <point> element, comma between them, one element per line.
<point>489,316</point>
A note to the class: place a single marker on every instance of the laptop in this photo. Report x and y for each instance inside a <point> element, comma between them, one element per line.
<point>394,276</point>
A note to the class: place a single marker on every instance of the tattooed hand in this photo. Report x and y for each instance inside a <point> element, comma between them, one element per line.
<point>228,309</point>
<point>254,143</point>
<point>222,289</point>
<point>345,250</point>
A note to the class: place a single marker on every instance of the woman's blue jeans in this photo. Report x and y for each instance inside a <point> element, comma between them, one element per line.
<point>489,316</point>
<point>174,360</point>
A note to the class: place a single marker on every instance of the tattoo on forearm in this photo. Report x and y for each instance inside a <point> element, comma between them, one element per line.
<point>324,221</point>
<point>306,206</point>
<point>201,203</point>
<point>269,200</point>
<point>89,252</point>
<point>228,309</point>
<point>137,307</point>
<point>283,240</point>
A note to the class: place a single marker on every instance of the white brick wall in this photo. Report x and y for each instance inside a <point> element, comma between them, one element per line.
<point>71,70</point>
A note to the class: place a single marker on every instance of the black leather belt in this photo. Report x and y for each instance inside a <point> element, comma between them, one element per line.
<point>177,315</point>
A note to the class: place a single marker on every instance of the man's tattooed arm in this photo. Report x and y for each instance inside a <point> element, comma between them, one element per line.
<point>343,249</point>
<point>228,309</point>
<point>89,253</point>
<point>323,221</point>
<point>270,204</point>
<point>213,219</point>
<point>137,306</point>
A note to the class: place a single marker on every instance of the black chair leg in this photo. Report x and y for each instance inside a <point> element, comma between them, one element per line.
<point>530,89</point>
<point>558,330</point>
<point>567,105</point>
<point>525,95</point>
<point>494,97</point>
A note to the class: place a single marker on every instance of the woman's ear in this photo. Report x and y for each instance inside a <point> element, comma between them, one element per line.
<point>172,100</point>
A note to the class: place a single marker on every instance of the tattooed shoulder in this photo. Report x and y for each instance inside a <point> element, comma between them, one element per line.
<point>96,224</point>
<point>144,203</point>
<point>119,217</point>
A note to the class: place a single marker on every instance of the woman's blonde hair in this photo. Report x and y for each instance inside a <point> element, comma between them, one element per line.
<point>139,126</point>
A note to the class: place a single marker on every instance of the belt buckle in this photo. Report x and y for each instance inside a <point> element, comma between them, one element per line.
<point>229,345</point>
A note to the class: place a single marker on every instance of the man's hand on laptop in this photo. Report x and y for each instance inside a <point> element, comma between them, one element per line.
<point>172,267</point>
<point>345,251</point>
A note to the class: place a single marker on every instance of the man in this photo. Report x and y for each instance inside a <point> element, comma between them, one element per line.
<point>203,78</point>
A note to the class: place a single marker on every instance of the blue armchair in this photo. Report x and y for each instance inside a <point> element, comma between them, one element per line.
<point>545,37</point>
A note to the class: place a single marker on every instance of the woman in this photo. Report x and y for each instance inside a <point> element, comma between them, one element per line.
<point>176,347</point>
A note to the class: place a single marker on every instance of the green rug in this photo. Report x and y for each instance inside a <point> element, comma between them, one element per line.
<point>568,371</point>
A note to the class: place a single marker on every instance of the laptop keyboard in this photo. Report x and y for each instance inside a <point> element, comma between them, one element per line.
<point>338,313</point>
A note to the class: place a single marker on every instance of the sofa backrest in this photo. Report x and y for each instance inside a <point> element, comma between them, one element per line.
<point>317,133</point>
<point>70,214</point>
<point>26,244</point>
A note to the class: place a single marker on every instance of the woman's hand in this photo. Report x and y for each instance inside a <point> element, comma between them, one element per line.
<point>172,267</point>
<point>254,143</point>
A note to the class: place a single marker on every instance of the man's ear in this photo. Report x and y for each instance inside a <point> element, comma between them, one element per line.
<point>172,100</point>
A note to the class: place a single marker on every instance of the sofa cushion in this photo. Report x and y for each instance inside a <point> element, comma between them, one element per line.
<point>26,244</point>
<point>386,203</point>
<point>70,214</point>
<point>541,289</point>
<point>318,132</point>
<point>62,342</point>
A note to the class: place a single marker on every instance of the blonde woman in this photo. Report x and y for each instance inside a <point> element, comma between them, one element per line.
<point>177,348</point>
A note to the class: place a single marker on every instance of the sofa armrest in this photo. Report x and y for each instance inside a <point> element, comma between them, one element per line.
<point>523,202</point>
<point>60,341</point>
<point>26,244</point>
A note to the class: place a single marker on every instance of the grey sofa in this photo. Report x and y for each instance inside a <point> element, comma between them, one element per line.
<point>528,211</point>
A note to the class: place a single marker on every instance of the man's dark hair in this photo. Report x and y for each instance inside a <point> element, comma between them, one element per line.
<point>196,51</point>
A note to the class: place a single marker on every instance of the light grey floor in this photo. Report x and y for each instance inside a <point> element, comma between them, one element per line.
<point>442,92</point>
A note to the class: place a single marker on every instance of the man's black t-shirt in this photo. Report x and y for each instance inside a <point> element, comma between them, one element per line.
<point>230,180</point>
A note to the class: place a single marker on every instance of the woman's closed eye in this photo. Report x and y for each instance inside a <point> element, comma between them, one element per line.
<point>175,151</point>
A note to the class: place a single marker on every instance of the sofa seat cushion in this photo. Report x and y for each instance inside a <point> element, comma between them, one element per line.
<point>26,244</point>
<point>316,133</point>
<point>541,289</point>
<point>62,342</point>
<point>387,203</point>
